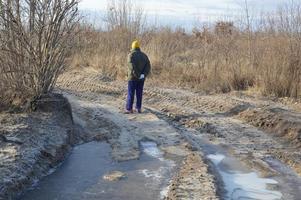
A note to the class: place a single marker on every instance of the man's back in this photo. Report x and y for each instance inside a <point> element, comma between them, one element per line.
<point>138,64</point>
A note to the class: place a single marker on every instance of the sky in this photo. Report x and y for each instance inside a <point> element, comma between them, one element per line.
<point>189,12</point>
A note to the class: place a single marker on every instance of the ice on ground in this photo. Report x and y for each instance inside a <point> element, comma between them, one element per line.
<point>151,149</point>
<point>157,175</point>
<point>244,185</point>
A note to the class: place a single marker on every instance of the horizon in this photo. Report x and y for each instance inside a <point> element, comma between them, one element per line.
<point>189,13</point>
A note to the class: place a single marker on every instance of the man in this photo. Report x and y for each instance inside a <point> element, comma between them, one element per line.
<point>138,69</point>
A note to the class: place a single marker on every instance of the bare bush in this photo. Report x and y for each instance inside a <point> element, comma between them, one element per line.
<point>282,76</point>
<point>224,28</point>
<point>35,40</point>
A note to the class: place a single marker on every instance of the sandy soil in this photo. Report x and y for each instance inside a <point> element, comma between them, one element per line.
<point>191,177</point>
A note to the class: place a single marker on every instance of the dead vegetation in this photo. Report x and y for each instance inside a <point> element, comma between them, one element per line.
<point>220,57</point>
<point>37,36</point>
<point>35,40</point>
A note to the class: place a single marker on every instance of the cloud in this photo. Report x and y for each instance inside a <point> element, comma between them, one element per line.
<point>93,4</point>
<point>188,11</point>
<point>167,6</point>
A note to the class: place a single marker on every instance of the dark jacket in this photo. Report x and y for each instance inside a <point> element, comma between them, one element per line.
<point>138,64</point>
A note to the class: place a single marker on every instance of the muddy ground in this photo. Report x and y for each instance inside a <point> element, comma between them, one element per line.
<point>263,135</point>
<point>102,118</point>
<point>255,130</point>
<point>33,143</point>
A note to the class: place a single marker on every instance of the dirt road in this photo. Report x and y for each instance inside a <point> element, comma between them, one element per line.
<point>133,140</point>
<point>257,134</point>
<point>101,117</point>
<point>185,145</point>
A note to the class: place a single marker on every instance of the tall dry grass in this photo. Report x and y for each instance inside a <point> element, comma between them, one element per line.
<point>216,58</point>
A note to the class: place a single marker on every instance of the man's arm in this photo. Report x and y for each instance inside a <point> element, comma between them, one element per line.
<point>147,67</point>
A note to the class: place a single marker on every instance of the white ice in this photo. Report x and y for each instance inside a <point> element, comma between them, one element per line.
<point>245,185</point>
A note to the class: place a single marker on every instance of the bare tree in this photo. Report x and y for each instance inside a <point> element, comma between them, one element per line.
<point>35,40</point>
<point>123,14</point>
<point>249,29</point>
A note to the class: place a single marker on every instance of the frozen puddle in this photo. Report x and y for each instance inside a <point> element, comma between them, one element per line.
<point>243,185</point>
<point>80,177</point>
<point>151,149</point>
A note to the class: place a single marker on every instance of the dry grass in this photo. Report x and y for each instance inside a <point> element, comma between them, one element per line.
<point>217,58</point>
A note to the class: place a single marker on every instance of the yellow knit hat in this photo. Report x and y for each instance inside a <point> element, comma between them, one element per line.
<point>135,45</point>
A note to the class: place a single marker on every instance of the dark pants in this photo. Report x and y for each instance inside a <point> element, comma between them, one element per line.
<point>135,87</point>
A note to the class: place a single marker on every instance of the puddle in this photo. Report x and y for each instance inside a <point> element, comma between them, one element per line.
<point>151,149</point>
<point>241,184</point>
<point>80,177</point>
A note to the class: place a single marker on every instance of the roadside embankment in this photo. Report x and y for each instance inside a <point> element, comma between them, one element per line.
<point>33,143</point>
<point>280,123</point>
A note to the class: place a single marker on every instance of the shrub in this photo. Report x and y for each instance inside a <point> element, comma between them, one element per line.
<point>35,40</point>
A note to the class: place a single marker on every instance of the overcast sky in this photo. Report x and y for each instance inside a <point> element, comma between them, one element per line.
<point>183,12</point>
